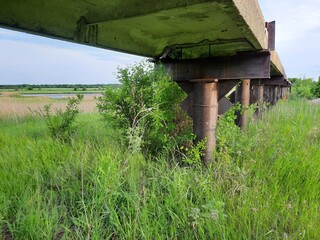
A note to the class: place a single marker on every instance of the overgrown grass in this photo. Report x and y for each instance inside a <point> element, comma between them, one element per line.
<point>16,105</point>
<point>266,188</point>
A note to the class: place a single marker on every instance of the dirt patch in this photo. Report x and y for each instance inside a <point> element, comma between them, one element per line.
<point>5,233</point>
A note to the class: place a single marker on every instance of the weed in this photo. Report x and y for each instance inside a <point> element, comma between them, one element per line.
<point>61,124</point>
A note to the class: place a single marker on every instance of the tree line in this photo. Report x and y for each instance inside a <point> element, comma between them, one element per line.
<point>305,88</point>
<point>74,86</point>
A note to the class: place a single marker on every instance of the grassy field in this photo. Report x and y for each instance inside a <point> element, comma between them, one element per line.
<point>269,188</point>
<point>13,104</point>
<point>53,91</point>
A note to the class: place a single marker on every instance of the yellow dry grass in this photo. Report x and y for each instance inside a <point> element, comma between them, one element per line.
<point>15,105</point>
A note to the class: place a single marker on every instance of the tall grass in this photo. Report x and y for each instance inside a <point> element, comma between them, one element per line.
<point>268,188</point>
<point>15,105</point>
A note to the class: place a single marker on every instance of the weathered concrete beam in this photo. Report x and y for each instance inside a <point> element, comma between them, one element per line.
<point>147,28</point>
<point>277,68</point>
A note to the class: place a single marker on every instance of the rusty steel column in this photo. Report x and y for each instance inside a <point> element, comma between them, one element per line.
<point>205,107</point>
<point>271,92</point>
<point>245,101</point>
<point>260,99</point>
<point>275,100</point>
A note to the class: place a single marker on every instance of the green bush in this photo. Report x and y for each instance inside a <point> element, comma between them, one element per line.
<point>316,89</point>
<point>147,107</point>
<point>61,124</point>
<point>302,88</point>
<point>228,133</point>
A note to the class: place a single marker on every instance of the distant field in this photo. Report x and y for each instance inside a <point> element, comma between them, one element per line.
<point>13,104</point>
<point>54,90</point>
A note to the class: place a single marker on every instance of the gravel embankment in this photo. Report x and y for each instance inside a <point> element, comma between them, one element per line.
<point>317,101</point>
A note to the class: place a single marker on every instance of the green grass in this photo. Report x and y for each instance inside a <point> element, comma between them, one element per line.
<point>268,188</point>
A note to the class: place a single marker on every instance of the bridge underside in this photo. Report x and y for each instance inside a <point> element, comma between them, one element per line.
<point>208,46</point>
<point>148,28</point>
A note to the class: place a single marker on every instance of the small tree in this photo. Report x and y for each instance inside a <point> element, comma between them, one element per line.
<point>302,88</point>
<point>147,106</point>
<point>61,124</point>
<point>316,90</point>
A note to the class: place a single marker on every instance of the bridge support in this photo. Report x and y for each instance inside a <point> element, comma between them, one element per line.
<point>201,105</point>
<point>208,80</point>
<point>273,95</point>
<point>260,99</point>
<point>245,102</point>
<point>205,115</point>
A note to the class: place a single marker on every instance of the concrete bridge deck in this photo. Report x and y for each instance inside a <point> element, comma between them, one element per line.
<point>148,28</point>
<point>156,29</point>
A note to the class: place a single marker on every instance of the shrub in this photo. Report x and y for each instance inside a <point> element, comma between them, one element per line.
<point>228,134</point>
<point>302,88</point>
<point>316,89</point>
<point>61,124</point>
<point>147,107</point>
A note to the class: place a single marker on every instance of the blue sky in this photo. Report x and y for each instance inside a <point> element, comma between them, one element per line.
<point>26,58</point>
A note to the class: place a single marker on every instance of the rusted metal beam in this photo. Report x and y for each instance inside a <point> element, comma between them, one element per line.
<point>271,28</point>
<point>272,94</point>
<point>245,101</point>
<point>274,80</point>
<point>201,105</point>
<point>267,94</point>
<point>260,100</point>
<point>251,65</point>
<point>276,94</point>
<point>226,86</point>
<point>224,105</point>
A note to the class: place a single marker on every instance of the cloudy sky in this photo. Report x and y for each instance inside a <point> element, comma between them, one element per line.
<point>26,58</point>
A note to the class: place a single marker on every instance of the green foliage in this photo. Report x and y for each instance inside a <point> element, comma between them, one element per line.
<point>229,136</point>
<point>316,89</point>
<point>194,154</point>
<point>96,189</point>
<point>302,88</point>
<point>61,123</point>
<point>147,107</point>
